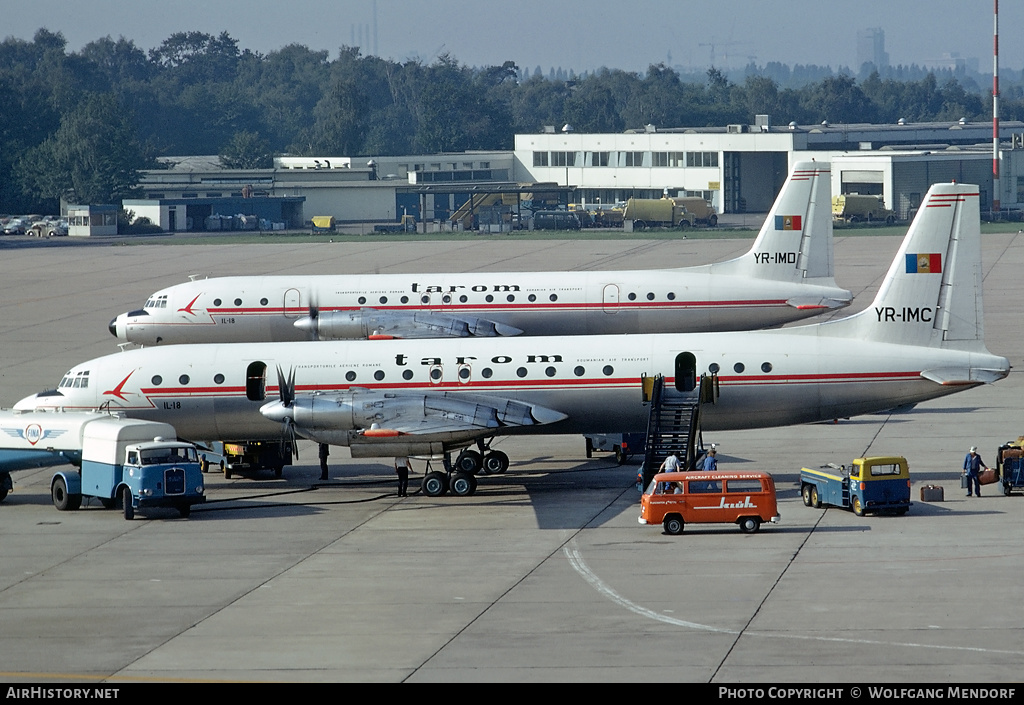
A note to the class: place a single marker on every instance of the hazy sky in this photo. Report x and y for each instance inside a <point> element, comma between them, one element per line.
<point>577,35</point>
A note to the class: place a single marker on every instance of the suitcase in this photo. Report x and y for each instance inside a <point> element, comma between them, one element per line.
<point>963,481</point>
<point>987,477</point>
<point>931,493</point>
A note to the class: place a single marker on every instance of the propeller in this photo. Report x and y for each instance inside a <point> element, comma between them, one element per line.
<point>281,410</point>
<point>311,323</point>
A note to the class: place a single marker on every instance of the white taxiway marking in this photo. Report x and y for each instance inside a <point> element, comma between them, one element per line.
<point>572,553</point>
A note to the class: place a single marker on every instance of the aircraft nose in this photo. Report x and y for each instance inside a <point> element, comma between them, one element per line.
<point>113,327</point>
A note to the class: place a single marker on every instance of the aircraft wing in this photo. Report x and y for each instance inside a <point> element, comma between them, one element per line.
<point>372,323</point>
<point>375,414</point>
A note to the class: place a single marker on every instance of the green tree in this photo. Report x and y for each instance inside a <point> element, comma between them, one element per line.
<point>94,157</point>
<point>247,150</point>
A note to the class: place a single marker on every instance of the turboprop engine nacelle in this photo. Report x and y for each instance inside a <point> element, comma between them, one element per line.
<point>368,322</point>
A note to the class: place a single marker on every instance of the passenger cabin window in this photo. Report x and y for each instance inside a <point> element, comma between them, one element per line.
<point>743,486</point>
<point>705,486</point>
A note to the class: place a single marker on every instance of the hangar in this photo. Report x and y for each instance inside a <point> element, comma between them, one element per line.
<point>738,168</point>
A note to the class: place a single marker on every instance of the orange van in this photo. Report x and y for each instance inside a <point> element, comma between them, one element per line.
<point>674,499</point>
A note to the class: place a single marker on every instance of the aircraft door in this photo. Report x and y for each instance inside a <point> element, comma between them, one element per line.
<point>610,300</point>
<point>686,372</point>
<point>293,304</point>
<point>256,381</point>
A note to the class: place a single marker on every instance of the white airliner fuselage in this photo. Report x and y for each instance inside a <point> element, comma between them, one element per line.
<point>767,378</point>
<point>786,276</point>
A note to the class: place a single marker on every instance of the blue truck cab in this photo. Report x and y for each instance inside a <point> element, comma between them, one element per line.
<point>875,485</point>
<point>137,462</point>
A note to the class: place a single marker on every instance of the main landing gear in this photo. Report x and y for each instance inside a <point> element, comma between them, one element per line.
<point>460,477</point>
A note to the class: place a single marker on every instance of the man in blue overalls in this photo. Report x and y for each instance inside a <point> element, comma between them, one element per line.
<point>972,466</point>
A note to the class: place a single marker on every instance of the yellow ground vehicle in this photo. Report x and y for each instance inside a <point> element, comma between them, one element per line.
<point>856,208</point>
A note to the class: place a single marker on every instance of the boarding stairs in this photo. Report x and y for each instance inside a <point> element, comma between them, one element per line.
<point>674,424</point>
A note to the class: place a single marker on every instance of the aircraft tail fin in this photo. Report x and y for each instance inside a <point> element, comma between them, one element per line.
<point>795,242</point>
<point>932,293</point>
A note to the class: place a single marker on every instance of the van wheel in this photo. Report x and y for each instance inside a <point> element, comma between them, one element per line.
<point>713,221</point>
<point>750,525</point>
<point>815,499</point>
<point>126,503</point>
<point>184,510</point>
<point>674,525</point>
<point>806,493</point>
<point>858,506</point>
<point>890,220</point>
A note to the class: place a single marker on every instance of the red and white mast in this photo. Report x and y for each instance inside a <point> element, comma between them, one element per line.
<point>995,113</point>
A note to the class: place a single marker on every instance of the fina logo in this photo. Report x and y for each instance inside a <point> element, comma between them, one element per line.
<point>33,433</point>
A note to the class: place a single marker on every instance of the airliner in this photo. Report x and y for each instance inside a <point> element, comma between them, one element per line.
<point>920,339</point>
<point>786,276</point>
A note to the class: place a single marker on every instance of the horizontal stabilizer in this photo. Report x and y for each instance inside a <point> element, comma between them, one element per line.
<point>963,375</point>
<point>810,302</point>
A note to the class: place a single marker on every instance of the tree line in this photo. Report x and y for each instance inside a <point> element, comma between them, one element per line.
<point>81,125</point>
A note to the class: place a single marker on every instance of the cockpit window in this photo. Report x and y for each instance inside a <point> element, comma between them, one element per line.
<point>157,302</point>
<point>77,380</point>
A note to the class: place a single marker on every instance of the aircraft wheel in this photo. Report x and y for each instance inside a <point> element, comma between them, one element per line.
<point>858,506</point>
<point>435,484</point>
<point>126,503</point>
<point>184,510</point>
<point>463,484</point>
<point>62,499</point>
<point>469,461</point>
<point>495,463</point>
<point>806,493</point>
<point>815,499</point>
<point>278,470</point>
<point>227,470</point>
<point>204,465</point>
<point>750,525</point>
<point>674,525</point>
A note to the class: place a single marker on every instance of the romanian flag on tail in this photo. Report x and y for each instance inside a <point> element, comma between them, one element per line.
<point>924,263</point>
<point>787,222</point>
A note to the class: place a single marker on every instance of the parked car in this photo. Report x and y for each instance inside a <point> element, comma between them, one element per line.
<point>14,226</point>
<point>48,228</point>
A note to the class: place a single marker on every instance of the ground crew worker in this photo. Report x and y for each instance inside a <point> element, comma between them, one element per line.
<point>972,465</point>
<point>324,452</point>
<point>402,468</point>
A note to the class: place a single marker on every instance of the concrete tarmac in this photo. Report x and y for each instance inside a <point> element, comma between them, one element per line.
<point>544,574</point>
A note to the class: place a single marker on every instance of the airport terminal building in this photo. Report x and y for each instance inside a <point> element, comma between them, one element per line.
<point>738,168</point>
